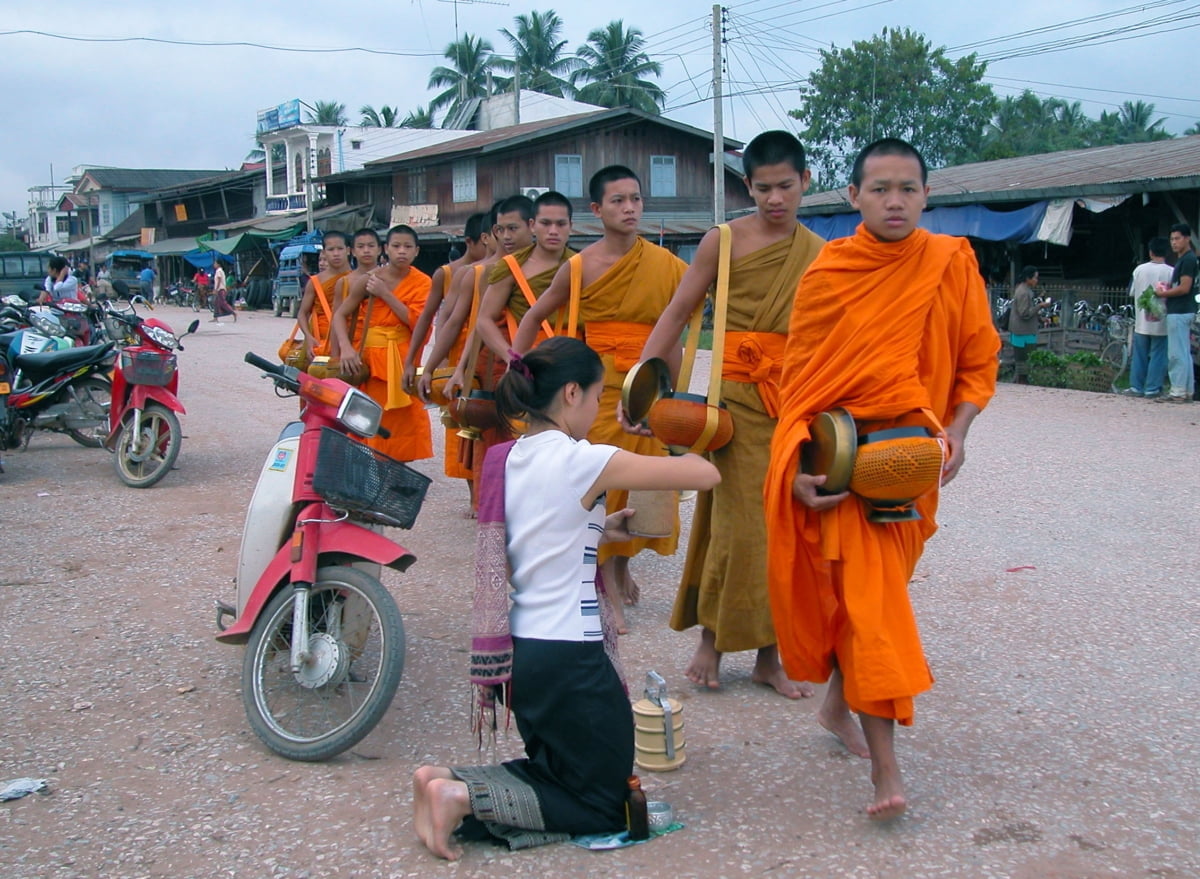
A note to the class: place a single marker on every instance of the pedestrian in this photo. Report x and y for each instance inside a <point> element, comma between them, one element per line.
<point>1181,310</point>
<point>1023,322</point>
<point>201,281</point>
<point>221,306</point>
<point>724,584</point>
<point>891,324</point>
<point>1148,359</point>
<point>60,285</point>
<point>146,282</point>
<point>550,658</point>
<point>625,283</point>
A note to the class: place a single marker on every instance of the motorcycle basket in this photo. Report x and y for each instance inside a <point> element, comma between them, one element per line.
<point>147,367</point>
<point>367,484</point>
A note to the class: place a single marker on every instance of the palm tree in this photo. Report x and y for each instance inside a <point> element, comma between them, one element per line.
<point>327,113</point>
<point>472,60</point>
<point>1136,125</point>
<point>538,54</point>
<point>418,118</point>
<point>613,64</point>
<point>384,117</point>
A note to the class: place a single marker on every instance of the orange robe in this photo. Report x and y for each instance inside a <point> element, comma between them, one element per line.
<point>518,305</point>
<point>319,317</point>
<point>617,311</point>
<point>387,344</point>
<point>452,466</point>
<point>724,583</point>
<point>882,329</point>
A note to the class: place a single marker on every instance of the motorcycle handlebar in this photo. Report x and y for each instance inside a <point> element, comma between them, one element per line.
<point>286,376</point>
<point>265,365</point>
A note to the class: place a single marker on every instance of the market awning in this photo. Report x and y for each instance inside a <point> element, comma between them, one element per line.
<point>237,244</point>
<point>171,246</point>
<point>74,246</point>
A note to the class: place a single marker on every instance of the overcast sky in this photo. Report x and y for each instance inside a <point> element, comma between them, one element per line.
<point>153,105</point>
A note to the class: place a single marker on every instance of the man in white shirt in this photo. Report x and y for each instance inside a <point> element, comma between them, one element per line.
<point>1148,359</point>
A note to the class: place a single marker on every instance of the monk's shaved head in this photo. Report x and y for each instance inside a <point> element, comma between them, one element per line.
<point>887,146</point>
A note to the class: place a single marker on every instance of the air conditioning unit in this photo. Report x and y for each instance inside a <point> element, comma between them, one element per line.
<point>534,191</point>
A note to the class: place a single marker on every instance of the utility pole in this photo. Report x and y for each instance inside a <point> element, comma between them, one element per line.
<point>718,28</point>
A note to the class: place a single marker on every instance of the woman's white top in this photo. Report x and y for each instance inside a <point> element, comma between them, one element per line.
<point>551,538</point>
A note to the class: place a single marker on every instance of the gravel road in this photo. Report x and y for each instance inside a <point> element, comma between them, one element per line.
<point>1058,605</point>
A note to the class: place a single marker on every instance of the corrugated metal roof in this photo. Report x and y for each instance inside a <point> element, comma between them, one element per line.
<point>1109,170</point>
<point>590,227</point>
<point>143,180</point>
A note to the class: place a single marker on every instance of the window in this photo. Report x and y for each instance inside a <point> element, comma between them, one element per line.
<point>568,175</point>
<point>662,176</point>
<point>63,224</point>
<point>324,163</point>
<point>105,215</point>
<point>298,165</point>
<point>416,186</point>
<point>464,180</point>
<point>356,144</point>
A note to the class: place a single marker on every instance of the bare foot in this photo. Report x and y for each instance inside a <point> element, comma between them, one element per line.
<point>834,715</point>
<point>420,784</point>
<point>469,514</point>
<point>631,592</point>
<point>887,808</point>
<point>618,612</point>
<point>885,771</point>
<point>448,803</point>
<point>768,672</point>
<point>705,668</point>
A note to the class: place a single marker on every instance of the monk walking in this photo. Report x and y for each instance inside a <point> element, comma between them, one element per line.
<point>891,323</point>
<point>624,284</point>
<point>724,585</point>
<point>399,292</point>
<point>316,307</point>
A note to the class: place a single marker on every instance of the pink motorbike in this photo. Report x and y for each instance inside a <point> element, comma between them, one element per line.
<point>324,638</point>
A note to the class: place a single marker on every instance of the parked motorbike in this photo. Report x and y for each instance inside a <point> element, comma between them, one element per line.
<point>144,432</point>
<point>325,641</point>
<point>61,391</point>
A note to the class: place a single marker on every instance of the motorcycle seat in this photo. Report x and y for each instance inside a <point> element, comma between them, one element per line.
<point>47,363</point>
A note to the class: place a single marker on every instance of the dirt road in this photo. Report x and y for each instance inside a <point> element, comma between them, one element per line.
<point>1058,606</point>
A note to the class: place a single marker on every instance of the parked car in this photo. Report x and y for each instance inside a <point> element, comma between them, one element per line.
<point>22,272</point>
<point>296,263</point>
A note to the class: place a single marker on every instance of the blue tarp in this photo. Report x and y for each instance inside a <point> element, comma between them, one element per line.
<point>131,254</point>
<point>972,221</point>
<point>203,259</point>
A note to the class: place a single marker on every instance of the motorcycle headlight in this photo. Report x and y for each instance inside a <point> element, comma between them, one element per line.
<point>360,413</point>
<point>45,324</point>
<point>162,337</point>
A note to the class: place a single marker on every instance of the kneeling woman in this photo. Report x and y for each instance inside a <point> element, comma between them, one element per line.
<point>541,514</point>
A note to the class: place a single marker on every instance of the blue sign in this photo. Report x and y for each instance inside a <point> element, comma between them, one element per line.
<point>283,115</point>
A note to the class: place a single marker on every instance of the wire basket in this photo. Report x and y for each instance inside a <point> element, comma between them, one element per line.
<point>147,367</point>
<point>368,484</point>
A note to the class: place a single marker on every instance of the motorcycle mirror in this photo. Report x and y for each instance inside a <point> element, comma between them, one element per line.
<point>192,327</point>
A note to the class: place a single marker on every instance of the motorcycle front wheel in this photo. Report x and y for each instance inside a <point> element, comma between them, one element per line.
<point>142,459</point>
<point>93,394</point>
<point>356,645</point>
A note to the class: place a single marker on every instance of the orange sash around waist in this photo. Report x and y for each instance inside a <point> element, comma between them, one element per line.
<point>756,358</point>
<point>622,339</point>
<point>391,338</point>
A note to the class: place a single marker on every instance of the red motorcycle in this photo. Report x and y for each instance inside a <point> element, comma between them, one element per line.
<point>324,638</point>
<point>144,432</point>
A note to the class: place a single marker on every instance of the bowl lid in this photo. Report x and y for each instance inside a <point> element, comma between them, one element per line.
<point>830,451</point>
<point>645,384</point>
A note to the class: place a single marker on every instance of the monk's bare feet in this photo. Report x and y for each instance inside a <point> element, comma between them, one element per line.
<point>843,725</point>
<point>618,612</point>
<point>469,514</point>
<point>885,771</point>
<point>448,803</point>
<point>705,668</point>
<point>889,797</point>
<point>631,592</point>
<point>769,672</point>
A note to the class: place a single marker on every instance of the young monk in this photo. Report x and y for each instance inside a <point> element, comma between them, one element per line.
<point>724,585</point>
<point>366,247</point>
<point>626,284</point>
<point>548,654</point>
<point>315,321</point>
<point>887,323</point>
<point>399,292</point>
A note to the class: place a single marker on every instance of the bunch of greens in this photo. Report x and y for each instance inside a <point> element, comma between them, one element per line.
<point>1150,303</point>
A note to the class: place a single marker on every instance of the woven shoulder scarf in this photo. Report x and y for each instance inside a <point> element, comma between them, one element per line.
<point>491,637</point>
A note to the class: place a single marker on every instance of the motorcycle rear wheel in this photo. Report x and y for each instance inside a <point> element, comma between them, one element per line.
<point>332,703</point>
<point>145,459</point>
<point>95,398</point>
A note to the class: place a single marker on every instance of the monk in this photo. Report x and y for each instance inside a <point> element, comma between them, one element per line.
<point>625,284</point>
<point>891,323</point>
<point>724,585</point>
<point>398,291</point>
<point>315,321</point>
<point>477,241</point>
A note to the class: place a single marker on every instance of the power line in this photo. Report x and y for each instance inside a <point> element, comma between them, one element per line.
<point>221,44</point>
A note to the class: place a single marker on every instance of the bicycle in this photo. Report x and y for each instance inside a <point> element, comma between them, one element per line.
<point>1119,332</point>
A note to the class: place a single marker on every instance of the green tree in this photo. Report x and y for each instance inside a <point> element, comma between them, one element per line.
<point>384,117</point>
<point>10,243</point>
<point>471,59</point>
<point>538,54</point>
<point>894,85</point>
<point>327,113</point>
<point>1136,125</point>
<point>1194,129</point>
<point>421,117</point>
<point>614,67</point>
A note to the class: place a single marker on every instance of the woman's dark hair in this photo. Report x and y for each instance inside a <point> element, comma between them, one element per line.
<point>531,384</point>
<point>57,264</point>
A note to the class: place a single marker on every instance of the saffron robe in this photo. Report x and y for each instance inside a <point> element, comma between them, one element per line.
<point>724,584</point>
<point>617,312</point>
<point>319,317</point>
<point>452,466</point>
<point>517,305</point>
<point>387,344</point>
<point>882,329</point>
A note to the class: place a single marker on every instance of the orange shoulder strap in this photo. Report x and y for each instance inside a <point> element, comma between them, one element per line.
<point>527,291</point>
<point>576,263</point>
<point>316,282</point>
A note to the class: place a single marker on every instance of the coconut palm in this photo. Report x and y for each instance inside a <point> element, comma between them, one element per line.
<point>472,60</point>
<point>613,64</point>
<point>538,54</point>
<point>384,117</point>
<point>1135,119</point>
<point>418,118</point>
<point>327,113</point>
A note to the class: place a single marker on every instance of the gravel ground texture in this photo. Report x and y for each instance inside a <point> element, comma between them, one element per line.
<point>1058,606</point>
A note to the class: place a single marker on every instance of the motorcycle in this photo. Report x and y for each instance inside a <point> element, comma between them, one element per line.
<point>324,638</point>
<point>144,432</point>
<point>61,391</point>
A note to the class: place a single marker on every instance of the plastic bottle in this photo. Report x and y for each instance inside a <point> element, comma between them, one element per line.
<point>636,818</point>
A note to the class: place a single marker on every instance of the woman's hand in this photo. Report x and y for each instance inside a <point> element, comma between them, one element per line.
<point>616,526</point>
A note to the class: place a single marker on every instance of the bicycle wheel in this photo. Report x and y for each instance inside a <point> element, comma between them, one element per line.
<point>1116,353</point>
<point>357,659</point>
